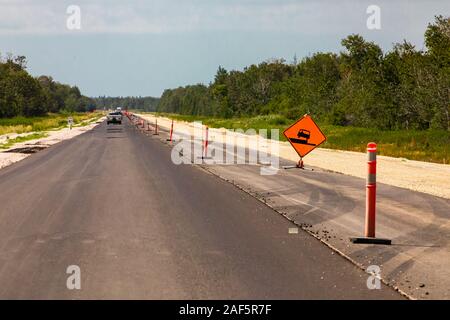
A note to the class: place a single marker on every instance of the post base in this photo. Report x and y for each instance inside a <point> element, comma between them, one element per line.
<point>369,240</point>
<point>300,165</point>
<point>296,167</point>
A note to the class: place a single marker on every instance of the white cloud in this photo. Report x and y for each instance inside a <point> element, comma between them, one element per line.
<point>30,17</point>
<point>170,16</point>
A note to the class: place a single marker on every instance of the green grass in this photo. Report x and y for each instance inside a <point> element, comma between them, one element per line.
<point>424,145</point>
<point>11,142</point>
<point>48,122</point>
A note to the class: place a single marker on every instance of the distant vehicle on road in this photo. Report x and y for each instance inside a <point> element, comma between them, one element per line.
<point>114,117</point>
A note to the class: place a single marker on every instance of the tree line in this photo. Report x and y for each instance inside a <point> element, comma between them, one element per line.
<point>24,95</point>
<point>131,103</point>
<point>404,88</point>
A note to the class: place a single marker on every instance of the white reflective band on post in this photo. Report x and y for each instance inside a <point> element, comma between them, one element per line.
<point>371,178</point>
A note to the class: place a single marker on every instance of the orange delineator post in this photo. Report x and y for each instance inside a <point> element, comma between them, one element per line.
<point>371,194</point>
<point>171,132</point>
<point>371,189</point>
<point>205,146</point>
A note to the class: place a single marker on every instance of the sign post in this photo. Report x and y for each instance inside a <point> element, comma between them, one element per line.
<point>70,122</point>
<point>304,136</point>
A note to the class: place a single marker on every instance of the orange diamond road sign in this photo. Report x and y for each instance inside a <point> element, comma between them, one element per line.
<point>304,135</point>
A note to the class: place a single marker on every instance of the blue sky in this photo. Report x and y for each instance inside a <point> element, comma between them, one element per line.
<point>140,47</point>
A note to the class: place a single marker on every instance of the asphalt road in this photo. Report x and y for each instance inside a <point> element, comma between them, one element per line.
<point>111,202</point>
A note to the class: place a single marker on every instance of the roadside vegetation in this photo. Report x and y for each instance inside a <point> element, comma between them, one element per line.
<point>10,142</point>
<point>23,95</point>
<point>431,145</point>
<point>362,86</point>
<point>29,104</point>
<point>48,122</point>
<point>399,99</point>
